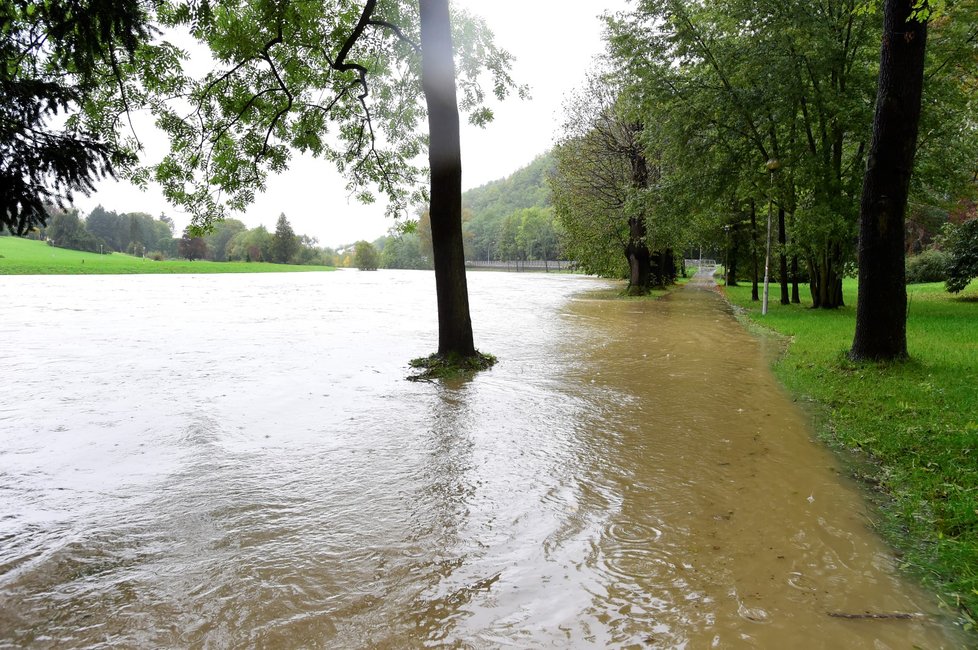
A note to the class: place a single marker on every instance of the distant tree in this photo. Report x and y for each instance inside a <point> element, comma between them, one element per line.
<point>109,228</point>
<point>962,246</point>
<point>143,233</point>
<point>219,239</point>
<point>253,245</point>
<point>57,53</point>
<point>508,245</point>
<point>537,235</point>
<point>66,230</point>
<point>165,243</point>
<point>404,252</point>
<point>191,246</point>
<point>367,258</point>
<point>284,243</point>
<point>310,253</point>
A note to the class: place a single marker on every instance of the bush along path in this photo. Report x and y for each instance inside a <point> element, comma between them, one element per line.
<point>915,423</point>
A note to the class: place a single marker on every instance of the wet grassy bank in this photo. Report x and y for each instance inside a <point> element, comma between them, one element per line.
<point>916,422</point>
<point>28,257</point>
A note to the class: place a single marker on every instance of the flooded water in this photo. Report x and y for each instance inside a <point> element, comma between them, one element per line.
<point>237,461</point>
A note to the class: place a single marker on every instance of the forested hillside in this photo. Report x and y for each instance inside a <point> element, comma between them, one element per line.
<point>525,188</point>
<point>496,214</point>
<point>507,219</point>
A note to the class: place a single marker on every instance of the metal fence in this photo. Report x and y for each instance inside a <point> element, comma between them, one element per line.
<point>516,266</point>
<point>703,264</point>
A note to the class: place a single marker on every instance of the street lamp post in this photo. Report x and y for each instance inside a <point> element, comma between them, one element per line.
<point>772,166</point>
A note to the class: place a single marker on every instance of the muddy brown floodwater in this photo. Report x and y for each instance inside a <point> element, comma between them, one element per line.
<point>237,461</point>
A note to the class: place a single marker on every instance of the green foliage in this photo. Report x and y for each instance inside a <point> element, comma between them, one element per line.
<point>338,80</point>
<point>403,251</point>
<point>284,242</point>
<point>219,239</point>
<point>24,257</point>
<point>962,247</point>
<point>134,233</point>
<point>536,235</point>
<point>492,203</point>
<point>66,230</point>
<point>488,232</point>
<point>929,266</point>
<point>253,245</point>
<point>57,54</point>
<point>367,257</point>
<point>731,85</point>
<point>607,184</point>
<point>915,421</point>
<point>947,147</point>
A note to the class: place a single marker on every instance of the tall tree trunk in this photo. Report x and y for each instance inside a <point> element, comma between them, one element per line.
<point>733,251</point>
<point>669,264</point>
<point>639,258</point>
<point>445,158</point>
<point>826,281</point>
<point>795,295</point>
<point>881,306</point>
<point>754,295</point>
<point>783,258</point>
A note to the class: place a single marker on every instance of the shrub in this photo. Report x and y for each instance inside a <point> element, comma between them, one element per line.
<point>929,266</point>
<point>963,249</point>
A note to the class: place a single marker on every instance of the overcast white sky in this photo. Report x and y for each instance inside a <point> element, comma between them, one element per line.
<point>554,42</point>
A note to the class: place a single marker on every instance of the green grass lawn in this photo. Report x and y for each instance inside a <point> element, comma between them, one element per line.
<point>916,421</point>
<point>27,257</point>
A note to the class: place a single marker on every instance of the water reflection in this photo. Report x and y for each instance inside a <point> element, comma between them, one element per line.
<point>238,462</point>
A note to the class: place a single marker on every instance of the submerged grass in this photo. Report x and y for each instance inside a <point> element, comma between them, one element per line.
<point>27,257</point>
<point>621,291</point>
<point>916,421</point>
<point>450,366</point>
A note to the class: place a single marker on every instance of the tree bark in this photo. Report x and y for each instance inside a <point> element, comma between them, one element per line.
<point>826,280</point>
<point>639,259</point>
<point>669,264</point>
<point>637,250</point>
<point>881,305</point>
<point>783,258</point>
<point>733,251</point>
<point>445,158</point>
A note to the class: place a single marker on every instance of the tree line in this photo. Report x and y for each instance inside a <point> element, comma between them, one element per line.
<point>351,82</point>
<point>138,233</point>
<point>717,112</point>
<point>707,120</point>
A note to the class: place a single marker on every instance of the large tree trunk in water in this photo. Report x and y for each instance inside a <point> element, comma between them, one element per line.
<point>639,257</point>
<point>754,295</point>
<point>783,258</point>
<point>881,306</point>
<point>445,158</point>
